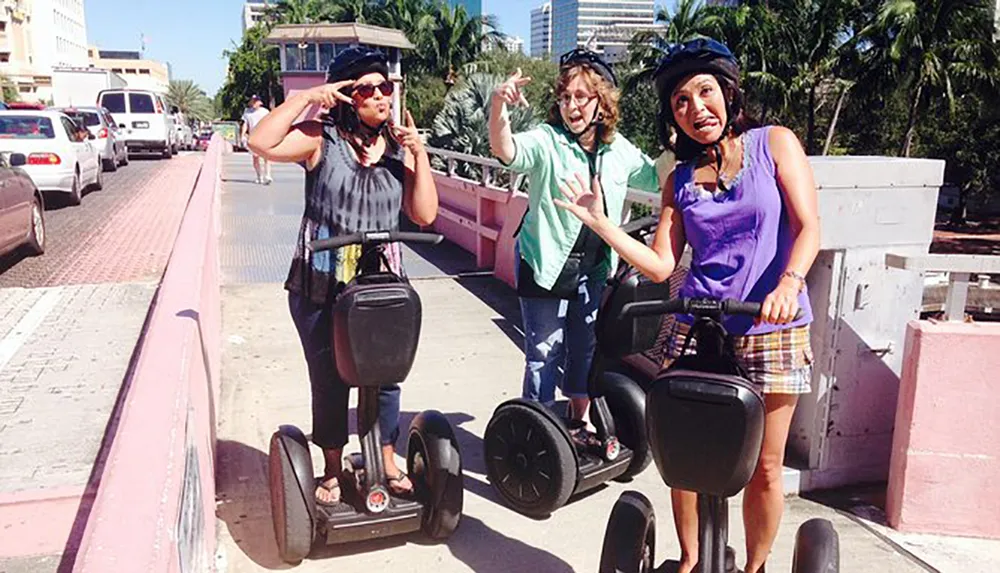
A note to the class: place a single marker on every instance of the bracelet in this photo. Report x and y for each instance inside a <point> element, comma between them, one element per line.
<point>796,276</point>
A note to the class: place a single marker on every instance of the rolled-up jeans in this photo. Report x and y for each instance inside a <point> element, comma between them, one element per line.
<point>329,393</point>
<point>559,341</point>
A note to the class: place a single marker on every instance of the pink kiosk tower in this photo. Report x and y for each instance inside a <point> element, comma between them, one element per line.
<point>307,49</point>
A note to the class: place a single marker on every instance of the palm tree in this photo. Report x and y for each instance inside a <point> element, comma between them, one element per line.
<point>463,123</point>
<point>813,36</point>
<point>190,100</point>
<point>690,20</point>
<point>934,46</point>
<point>455,39</point>
<point>299,12</point>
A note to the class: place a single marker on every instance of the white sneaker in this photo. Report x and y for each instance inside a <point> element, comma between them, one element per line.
<point>268,180</point>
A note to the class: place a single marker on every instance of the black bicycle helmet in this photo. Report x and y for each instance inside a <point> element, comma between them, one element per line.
<point>355,62</point>
<point>351,64</point>
<point>703,55</point>
<point>583,56</point>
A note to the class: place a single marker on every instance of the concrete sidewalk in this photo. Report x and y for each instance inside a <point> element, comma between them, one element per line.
<point>470,360</point>
<point>65,350</point>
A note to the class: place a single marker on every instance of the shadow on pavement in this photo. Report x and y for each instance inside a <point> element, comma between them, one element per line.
<point>243,503</point>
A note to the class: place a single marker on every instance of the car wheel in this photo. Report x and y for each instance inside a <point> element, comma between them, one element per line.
<point>110,164</point>
<point>36,238</point>
<point>99,180</point>
<point>75,194</point>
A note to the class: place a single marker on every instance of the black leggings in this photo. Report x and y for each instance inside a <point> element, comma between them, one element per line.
<point>329,393</point>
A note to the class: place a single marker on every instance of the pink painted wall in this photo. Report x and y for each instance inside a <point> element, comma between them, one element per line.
<point>944,475</point>
<point>168,417</point>
<point>482,221</point>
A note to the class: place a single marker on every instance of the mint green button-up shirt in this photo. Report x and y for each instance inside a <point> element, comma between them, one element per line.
<point>548,155</point>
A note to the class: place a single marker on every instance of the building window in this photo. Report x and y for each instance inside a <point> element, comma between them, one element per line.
<point>300,57</point>
<point>326,53</point>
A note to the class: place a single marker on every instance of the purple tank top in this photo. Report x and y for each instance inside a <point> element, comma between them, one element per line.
<point>740,239</point>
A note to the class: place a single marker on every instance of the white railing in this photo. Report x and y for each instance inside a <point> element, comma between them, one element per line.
<point>960,270</point>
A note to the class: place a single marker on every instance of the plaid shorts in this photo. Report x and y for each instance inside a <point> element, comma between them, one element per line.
<point>780,361</point>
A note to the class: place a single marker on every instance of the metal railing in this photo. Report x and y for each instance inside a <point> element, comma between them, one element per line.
<point>489,168</point>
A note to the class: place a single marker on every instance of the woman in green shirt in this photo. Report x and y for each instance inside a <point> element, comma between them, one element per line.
<point>562,264</point>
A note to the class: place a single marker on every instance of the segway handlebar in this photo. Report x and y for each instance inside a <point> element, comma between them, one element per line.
<point>695,306</point>
<point>374,238</point>
<point>641,225</point>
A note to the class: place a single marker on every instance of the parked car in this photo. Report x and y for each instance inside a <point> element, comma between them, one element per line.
<point>109,136</point>
<point>61,155</point>
<point>144,119</point>
<point>185,135</point>
<point>25,105</point>
<point>22,208</point>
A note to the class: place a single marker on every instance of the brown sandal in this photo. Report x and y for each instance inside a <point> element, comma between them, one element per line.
<point>399,480</point>
<point>331,485</point>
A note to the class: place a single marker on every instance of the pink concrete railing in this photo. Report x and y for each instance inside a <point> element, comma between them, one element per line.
<point>943,475</point>
<point>154,510</point>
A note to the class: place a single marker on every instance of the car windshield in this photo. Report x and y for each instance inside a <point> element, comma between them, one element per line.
<point>26,127</point>
<point>140,103</point>
<point>87,118</point>
<point>115,103</point>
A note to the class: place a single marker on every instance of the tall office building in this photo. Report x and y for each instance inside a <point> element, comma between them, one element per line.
<point>541,31</point>
<point>598,23</point>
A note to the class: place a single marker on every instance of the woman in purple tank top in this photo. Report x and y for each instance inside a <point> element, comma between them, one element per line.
<point>744,198</point>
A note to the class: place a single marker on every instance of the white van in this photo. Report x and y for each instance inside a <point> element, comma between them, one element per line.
<point>144,119</point>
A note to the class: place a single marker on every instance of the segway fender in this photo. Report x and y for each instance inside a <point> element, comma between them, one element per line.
<point>551,416</point>
<point>300,460</point>
<point>439,439</point>
<point>444,480</point>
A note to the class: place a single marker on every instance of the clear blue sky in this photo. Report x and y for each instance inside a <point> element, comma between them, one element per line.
<point>191,34</point>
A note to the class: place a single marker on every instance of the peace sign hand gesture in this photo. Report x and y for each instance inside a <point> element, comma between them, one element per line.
<point>509,92</point>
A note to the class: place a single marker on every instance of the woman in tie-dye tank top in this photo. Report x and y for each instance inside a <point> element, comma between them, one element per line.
<point>744,199</point>
<point>361,171</point>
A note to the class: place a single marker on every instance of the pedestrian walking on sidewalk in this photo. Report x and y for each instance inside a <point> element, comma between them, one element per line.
<point>361,171</point>
<point>252,117</point>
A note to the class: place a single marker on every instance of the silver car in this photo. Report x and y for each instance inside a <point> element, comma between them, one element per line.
<point>108,136</point>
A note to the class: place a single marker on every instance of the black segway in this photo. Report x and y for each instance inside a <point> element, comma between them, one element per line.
<point>532,461</point>
<point>705,421</point>
<point>376,326</point>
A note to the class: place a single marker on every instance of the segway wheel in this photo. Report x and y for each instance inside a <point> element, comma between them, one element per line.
<point>434,463</point>
<point>817,548</point>
<point>528,460</point>
<point>630,538</point>
<point>627,403</point>
<point>291,482</point>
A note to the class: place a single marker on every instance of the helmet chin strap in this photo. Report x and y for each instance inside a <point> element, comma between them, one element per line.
<point>368,133</point>
<point>595,121</point>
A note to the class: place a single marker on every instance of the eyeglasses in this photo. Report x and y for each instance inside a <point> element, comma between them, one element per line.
<point>580,100</point>
<point>368,90</point>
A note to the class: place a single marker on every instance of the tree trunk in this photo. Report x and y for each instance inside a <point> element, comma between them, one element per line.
<point>833,121</point>
<point>811,121</point>
<point>911,122</point>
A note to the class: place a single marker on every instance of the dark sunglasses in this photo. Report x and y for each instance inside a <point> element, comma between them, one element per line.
<point>368,90</point>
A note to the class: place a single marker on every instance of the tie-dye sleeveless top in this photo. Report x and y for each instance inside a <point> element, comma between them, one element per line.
<point>343,196</point>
